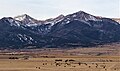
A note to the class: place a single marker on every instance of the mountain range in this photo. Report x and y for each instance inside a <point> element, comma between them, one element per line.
<point>73,30</point>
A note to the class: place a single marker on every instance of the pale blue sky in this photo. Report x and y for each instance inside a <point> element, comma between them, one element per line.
<point>43,9</point>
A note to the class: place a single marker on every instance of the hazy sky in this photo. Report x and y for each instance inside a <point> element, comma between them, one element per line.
<point>43,9</point>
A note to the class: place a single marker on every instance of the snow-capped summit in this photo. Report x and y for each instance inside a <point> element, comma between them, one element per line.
<point>22,17</point>
<point>26,19</point>
<point>81,15</point>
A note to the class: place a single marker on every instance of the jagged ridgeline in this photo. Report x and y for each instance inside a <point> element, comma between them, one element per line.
<point>73,30</point>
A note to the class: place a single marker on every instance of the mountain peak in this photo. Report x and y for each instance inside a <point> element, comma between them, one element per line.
<point>25,15</point>
<point>80,11</point>
<point>81,15</point>
<point>22,17</point>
